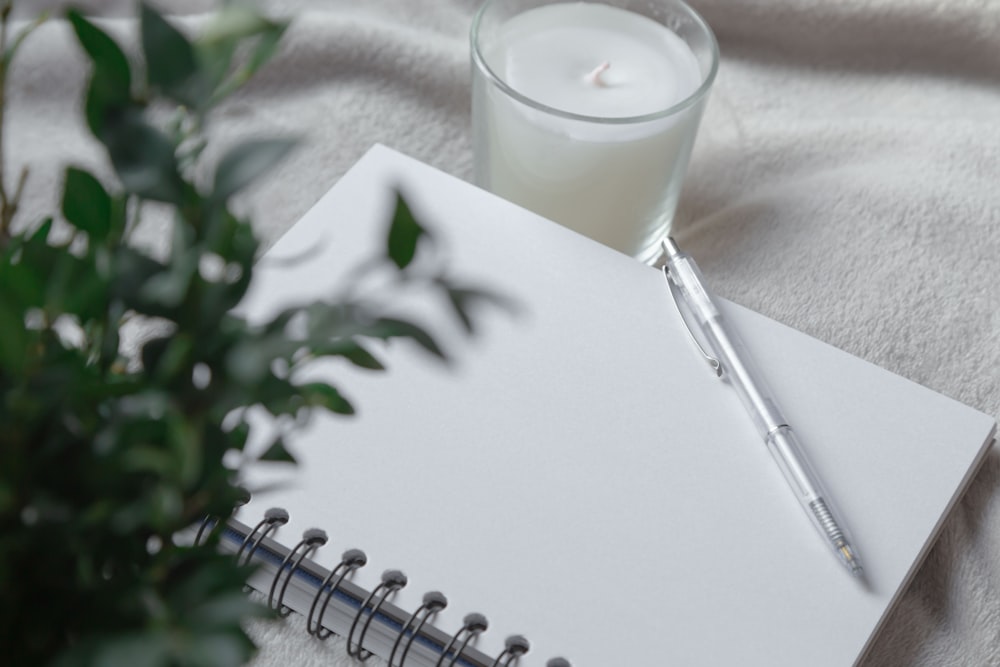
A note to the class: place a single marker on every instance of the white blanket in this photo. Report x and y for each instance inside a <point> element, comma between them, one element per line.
<point>844,182</point>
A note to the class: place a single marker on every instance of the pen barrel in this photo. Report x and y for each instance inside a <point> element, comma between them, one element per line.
<point>795,466</point>
<point>781,441</point>
<point>739,371</point>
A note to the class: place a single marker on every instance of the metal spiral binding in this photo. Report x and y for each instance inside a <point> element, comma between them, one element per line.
<point>472,626</point>
<point>273,518</point>
<point>213,522</point>
<point>392,581</point>
<point>433,602</point>
<point>205,523</point>
<point>514,647</point>
<point>350,561</point>
<point>311,540</point>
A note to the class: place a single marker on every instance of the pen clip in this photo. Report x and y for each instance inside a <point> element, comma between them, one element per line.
<point>712,361</point>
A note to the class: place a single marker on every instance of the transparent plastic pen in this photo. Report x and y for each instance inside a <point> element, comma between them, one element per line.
<point>732,360</point>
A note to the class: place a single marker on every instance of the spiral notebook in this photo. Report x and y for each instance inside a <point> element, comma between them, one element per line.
<point>576,484</point>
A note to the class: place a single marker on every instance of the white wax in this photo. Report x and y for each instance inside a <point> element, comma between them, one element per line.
<point>548,55</point>
<point>616,182</point>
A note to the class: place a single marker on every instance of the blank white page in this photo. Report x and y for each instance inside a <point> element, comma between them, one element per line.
<point>579,475</point>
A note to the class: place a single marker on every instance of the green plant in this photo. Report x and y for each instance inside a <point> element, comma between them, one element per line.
<point>104,458</point>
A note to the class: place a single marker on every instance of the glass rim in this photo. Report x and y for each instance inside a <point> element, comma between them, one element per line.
<point>690,100</point>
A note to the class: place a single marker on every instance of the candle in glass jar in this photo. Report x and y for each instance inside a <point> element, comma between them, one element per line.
<point>587,114</point>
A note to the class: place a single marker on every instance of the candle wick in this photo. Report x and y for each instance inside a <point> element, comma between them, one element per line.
<point>595,75</point>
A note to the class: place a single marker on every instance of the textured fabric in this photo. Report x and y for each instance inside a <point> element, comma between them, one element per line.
<point>844,182</point>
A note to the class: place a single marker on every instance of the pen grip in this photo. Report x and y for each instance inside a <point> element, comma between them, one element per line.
<point>817,504</point>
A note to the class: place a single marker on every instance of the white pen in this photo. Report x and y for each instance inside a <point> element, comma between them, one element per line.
<point>732,361</point>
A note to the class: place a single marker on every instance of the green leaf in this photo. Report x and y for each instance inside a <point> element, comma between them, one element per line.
<point>7,498</point>
<point>176,356</point>
<point>246,162</point>
<point>234,22</point>
<point>111,80</point>
<point>186,446</point>
<point>277,453</point>
<point>151,353</point>
<point>86,205</point>
<point>145,458</point>
<point>41,235</point>
<point>37,256</point>
<point>166,506</point>
<point>13,337</point>
<point>266,47</point>
<point>110,341</point>
<point>322,395</point>
<point>23,283</point>
<point>404,233</point>
<point>217,649</point>
<point>74,286</point>
<point>351,350</point>
<point>247,362</point>
<point>237,437</point>
<point>215,574</point>
<point>103,50</point>
<point>215,60</point>
<point>388,327</point>
<point>143,158</point>
<point>243,249</point>
<point>362,358</point>
<point>230,30</point>
<point>171,65</point>
<point>224,610</point>
<point>119,218</point>
<point>150,648</point>
<point>172,287</point>
<point>132,270</point>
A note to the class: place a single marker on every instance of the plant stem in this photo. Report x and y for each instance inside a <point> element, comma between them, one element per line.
<point>9,203</point>
<point>6,214</point>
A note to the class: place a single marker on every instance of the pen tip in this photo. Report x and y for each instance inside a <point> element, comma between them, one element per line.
<point>849,557</point>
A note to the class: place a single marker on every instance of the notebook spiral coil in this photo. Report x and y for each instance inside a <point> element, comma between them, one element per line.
<point>405,639</point>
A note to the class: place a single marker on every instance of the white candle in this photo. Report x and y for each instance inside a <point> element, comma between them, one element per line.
<point>584,140</point>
